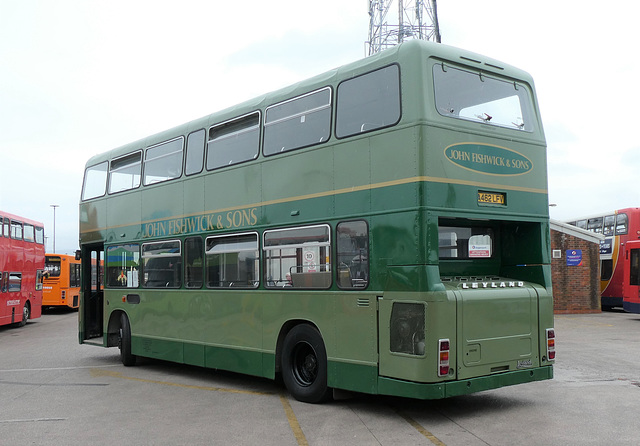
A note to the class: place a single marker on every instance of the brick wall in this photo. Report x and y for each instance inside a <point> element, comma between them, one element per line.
<point>576,289</point>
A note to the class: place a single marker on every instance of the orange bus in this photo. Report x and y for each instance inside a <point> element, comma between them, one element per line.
<point>61,281</point>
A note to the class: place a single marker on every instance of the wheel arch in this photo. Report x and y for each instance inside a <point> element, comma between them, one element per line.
<point>284,330</point>
<point>113,327</point>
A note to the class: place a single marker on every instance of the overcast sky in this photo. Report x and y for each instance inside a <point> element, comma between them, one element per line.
<point>81,77</point>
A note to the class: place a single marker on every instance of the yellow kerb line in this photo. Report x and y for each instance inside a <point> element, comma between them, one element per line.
<point>293,422</point>
<point>421,429</point>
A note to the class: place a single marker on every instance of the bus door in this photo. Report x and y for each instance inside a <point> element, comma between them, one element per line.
<point>92,295</point>
<point>5,310</point>
<point>631,277</point>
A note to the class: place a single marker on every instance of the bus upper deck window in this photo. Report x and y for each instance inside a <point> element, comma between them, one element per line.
<point>95,181</point>
<point>595,224</point>
<point>124,173</point>
<point>609,224</point>
<point>622,224</point>
<point>368,102</point>
<point>16,230</point>
<point>29,234</point>
<point>300,122</point>
<point>195,152</point>
<point>163,162</point>
<point>40,235</point>
<point>233,142</point>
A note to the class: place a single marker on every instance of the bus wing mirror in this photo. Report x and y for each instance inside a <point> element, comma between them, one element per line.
<point>78,255</point>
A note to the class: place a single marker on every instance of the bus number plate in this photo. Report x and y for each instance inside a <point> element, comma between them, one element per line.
<point>498,198</point>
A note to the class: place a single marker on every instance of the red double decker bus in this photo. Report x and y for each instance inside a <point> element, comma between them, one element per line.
<point>619,256</point>
<point>21,269</point>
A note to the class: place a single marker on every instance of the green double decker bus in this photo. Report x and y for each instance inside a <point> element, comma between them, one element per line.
<point>380,228</point>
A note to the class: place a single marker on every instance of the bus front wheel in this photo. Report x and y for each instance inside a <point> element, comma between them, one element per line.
<point>124,342</point>
<point>304,365</point>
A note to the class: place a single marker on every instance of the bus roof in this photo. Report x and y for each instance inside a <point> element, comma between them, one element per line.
<point>604,214</point>
<point>404,53</point>
<point>21,219</point>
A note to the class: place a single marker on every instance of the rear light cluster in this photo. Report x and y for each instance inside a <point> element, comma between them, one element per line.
<point>443,357</point>
<point>551,344</point>
<point>64,294</point>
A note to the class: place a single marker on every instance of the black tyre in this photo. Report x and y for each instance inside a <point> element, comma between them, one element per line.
<point>304,365</point>
<point>26,314</point>
<point>124,342</point>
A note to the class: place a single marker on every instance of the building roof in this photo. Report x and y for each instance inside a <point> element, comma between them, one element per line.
<point>575,231</point>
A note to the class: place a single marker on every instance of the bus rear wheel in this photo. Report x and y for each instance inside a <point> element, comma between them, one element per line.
<point>304,365</point>
<point>26,314</point>
<point>124,342</point>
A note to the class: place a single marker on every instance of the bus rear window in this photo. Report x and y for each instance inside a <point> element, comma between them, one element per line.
<point>465,242</point>
<point>475,96</point>
<point>52,266</point>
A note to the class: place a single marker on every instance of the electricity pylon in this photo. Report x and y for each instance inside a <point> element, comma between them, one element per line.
<point>416,19</point>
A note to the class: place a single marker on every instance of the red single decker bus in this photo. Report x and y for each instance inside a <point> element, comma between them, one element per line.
<point>619,256</point>
<point>21,269</point>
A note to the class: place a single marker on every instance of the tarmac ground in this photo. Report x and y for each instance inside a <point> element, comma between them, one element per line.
<point>55,391</point>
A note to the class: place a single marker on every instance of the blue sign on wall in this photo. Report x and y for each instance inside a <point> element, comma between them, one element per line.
<point>574,257</point>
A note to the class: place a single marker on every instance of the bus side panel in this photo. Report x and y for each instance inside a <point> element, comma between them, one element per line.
<point>351,170</point>
<point>233,330</point>
<point>212,328</point>
<point>340,318</point>
<point>353,363</point>
<point>440,323</point>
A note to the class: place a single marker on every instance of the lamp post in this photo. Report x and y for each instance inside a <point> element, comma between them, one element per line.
<point>54,206</point>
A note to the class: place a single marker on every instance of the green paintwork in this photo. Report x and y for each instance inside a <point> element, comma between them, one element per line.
<point>403,181</point>
<point>389,386</point>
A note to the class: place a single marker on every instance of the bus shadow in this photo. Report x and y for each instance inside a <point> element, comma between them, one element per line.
<point>213,378</point>
<point>460,406</point>
<point>487,402</point>
<point>58,310</point>
<point>613,310</point>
